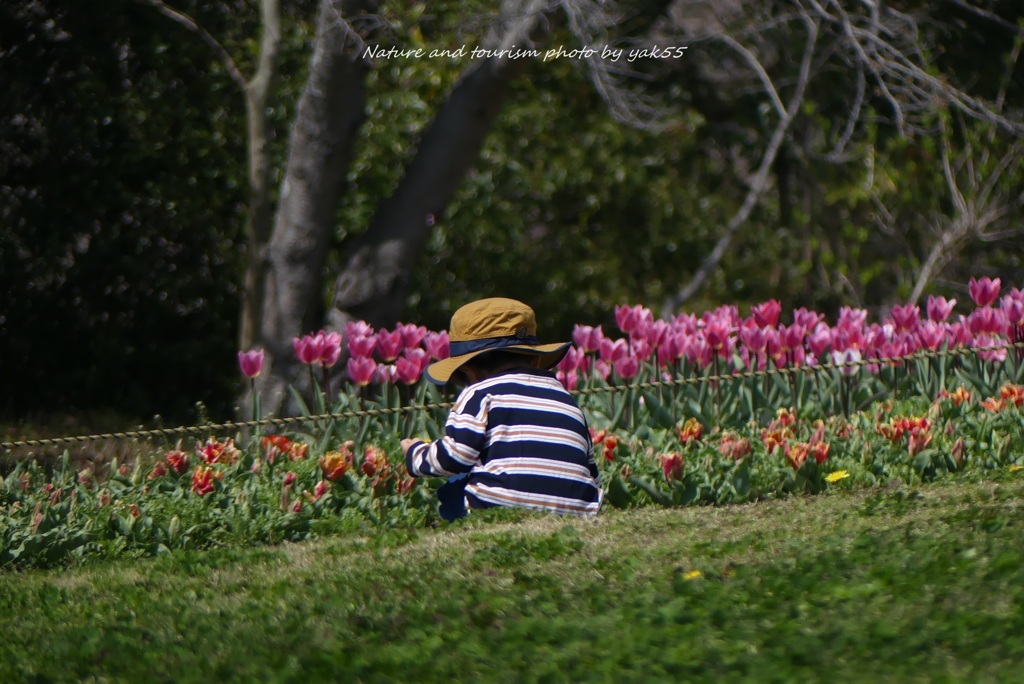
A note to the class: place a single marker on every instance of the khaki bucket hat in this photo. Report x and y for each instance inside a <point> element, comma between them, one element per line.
<point>488,325</point>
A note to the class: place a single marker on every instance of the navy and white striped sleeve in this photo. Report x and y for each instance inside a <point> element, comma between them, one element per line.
<point>459,450</point>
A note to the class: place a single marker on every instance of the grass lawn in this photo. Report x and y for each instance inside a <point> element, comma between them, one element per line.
<point>888,585</point>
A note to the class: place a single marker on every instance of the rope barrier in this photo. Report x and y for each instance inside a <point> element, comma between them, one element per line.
<point>412,408</point>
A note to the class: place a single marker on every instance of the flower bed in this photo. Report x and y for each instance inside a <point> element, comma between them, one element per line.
<point>695,410</point>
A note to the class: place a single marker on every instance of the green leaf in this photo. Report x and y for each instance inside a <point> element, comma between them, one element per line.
<point>617,494</point>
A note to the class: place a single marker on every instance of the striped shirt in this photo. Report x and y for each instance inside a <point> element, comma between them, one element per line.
<point>524,442</point>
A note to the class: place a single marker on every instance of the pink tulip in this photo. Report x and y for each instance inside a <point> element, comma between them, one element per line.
<point>386,373</point>
<point>436,345</point>
<point>808,319</point>
<point>656,332</point>
<point>959,335</point>
<point>407,371</point>
<point>753,337</point>
<point>773,345</point>
<point>698,350</point>
<point>671,348</point>
<point>1013,311</point>
<point>361,370</point>
<point>627,367</point>
<point>309,348</point>
<point>418,356</point>
<point>571,361</point>
<point>361,345</point>
<point>792,336</point>
<point>986,321</point>
<point>939,308</point>
<point>766,314</point>
<point>819,340</point>
<point>642,349</point>
<point>358,329</point>
<point>569,379</point>
<point>848,338</point>
<point>390,345</point>
<point>716,334</point>
<point>588,339</point>
<point>992,344</point>
<point>850,319</point>
<point>251,363</point>
<point>905,317</point>
<point>984,291</point>
<point>331,350</point>
<point>685,323</point>
<point>612,351</point>
<point>931,335</point>
<point>627,317</point>
<point>412,335</point>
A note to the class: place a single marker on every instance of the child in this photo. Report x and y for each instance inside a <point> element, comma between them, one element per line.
<point>515,436</point>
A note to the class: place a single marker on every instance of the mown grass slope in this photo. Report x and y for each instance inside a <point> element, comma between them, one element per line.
<point>892,585</point>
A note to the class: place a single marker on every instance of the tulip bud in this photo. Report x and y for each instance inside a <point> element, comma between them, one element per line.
<point>174,528</point>
<point>958,451</point>
<point>137,474</point>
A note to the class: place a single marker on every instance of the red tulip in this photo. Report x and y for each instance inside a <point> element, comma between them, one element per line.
<point>177,460</point>
<point>202,481</point>
<point>251,362</point>
<point>672,466</point>
<point>691,431</point>
<point>335,464</point>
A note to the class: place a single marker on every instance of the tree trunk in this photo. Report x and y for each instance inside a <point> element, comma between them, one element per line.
<point>261,212</point>
<point>373,285</point>
<point>330,111</point>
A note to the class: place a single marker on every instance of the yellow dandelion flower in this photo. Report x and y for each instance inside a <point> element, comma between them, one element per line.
<point>1015,468</point>
<point>837,476</point>
<point>693,574</point>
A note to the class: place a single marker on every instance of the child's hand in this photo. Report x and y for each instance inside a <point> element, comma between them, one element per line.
<point>407,443</point>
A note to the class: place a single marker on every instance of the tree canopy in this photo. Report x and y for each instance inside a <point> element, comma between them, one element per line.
<point>126,195</point>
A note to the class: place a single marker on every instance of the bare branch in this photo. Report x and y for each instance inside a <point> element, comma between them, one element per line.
<point>754,64</point>
<point>191,24</point>
<point>589,21</point>
<point>986,14</point>
<point>760,180</point>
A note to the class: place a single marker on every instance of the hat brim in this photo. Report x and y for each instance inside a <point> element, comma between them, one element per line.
<point>440,372</point>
